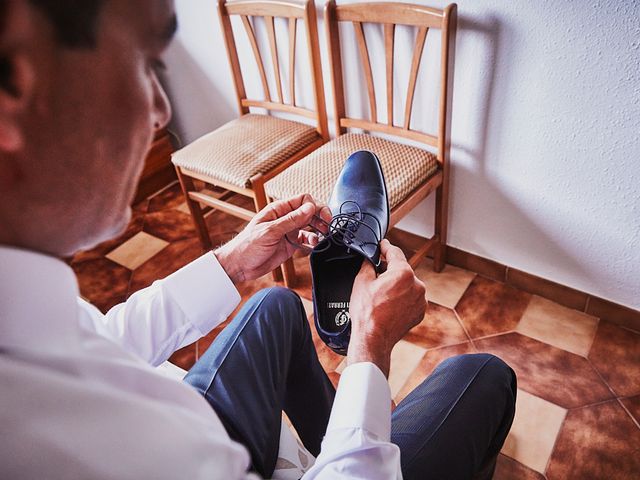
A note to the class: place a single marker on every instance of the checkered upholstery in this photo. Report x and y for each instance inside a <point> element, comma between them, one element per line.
<point>244,147</point>
<point>405,168</point>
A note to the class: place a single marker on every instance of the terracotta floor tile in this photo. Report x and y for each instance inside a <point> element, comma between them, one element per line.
<point>137,250</point>
<point>308,306</point>
<point>556,375</point>
<point>327,357</point>
<point>559,326</point>
<point>489,307</point>
<point>102,282</point>
<point>169,260</point>
<point>405,358</point>
<point>169,198</point>
<point>534,431</point>
<point>340,368</point>
<point>135,226</point>
<point>509,469</point>
<point>429,362</point>
<point>105,304</point>
<point>632,404</point>
<point>184,208</point>
<point>169,225</point>
<point>303,277</point>
<point>439,327</point>
<point>444,288</point>
<point>616,355</point>
<point>600,441</point>
<point>185,357</point>
<point>335,378</point>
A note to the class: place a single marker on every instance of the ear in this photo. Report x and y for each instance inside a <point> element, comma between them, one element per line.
<point>17,74</point>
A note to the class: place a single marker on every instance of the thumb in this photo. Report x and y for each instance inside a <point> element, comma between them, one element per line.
<point>295,219</point>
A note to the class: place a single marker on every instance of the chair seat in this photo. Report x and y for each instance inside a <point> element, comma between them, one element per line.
<point>244,147</point>
<point>404,167</point>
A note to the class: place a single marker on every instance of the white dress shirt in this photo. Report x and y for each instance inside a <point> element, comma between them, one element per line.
<point>80,397</point>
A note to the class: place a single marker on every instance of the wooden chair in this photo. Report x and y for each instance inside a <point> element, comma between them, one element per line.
<point>243,154</point>
<point>411,173</point>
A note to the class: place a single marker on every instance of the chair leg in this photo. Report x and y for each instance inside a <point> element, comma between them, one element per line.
<point>440,252</point>
<point>289,273</point>
<point>196,211</point>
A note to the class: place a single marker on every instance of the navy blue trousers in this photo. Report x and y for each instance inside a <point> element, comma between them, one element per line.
<point>452,426</point>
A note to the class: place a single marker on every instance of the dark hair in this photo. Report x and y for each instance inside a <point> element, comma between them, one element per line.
<point>75,23</point>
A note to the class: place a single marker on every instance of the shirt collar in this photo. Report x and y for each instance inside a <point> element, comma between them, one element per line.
<point>38,301</point>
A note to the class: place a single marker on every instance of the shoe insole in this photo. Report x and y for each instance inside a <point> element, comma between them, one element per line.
<point>335,270</point>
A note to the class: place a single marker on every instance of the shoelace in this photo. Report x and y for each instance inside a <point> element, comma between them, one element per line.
<point>343,227</point>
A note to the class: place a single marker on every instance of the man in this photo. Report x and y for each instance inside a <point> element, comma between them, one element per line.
<point>79,101</point>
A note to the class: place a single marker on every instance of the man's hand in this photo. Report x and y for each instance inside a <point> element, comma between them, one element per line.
<point>262,245</point>
<point>383,309</point>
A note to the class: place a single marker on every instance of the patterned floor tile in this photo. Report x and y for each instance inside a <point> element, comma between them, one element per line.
<point>405,357</point>
<point>439,327</point>
<point>137,250</point>
<point>489,307</point>
<point>429,362</point>
<point>308,306</point>
<point>509,469</point>
<point>135,226</point>
<point>169,225</point>
<point>632,404</point>
<point>185,357</point>
<point>444,288</point>
<point>559,326</point>
<point>167,199</point>
<point>184,208</point>
<point>596,442</point>
<point>616,355</point>
<point>534,431</point>
<point>169,260</point>
<point>605,444</point>
<point>556,375</point>
<point>102,282</point>
<point>335,378</point>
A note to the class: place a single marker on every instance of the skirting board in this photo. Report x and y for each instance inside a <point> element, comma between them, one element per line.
<point>569,297</point>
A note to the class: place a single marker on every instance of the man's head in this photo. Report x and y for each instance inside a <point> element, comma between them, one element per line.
<point>79,103</point>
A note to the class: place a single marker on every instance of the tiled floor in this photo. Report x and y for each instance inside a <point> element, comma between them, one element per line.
<point>578,409</point>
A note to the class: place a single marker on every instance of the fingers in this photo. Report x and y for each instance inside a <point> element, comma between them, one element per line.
<point>295,213</point>
<point>392,254</point>
<point>295,219</point>
<point>279,208</point>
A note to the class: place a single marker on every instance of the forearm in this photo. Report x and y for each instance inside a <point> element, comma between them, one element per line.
<point>362,351</point>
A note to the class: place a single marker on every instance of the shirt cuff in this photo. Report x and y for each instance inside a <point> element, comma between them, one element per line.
<point>363,400</point>
<point>204,292</point>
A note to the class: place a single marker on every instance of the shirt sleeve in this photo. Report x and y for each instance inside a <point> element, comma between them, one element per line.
<point>357,443</point>
<point>171,313</point>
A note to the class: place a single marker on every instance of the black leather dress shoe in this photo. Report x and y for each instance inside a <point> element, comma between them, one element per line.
<point>360,209</point>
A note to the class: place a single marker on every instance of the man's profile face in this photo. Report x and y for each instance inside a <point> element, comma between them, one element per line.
<point>88,122</point>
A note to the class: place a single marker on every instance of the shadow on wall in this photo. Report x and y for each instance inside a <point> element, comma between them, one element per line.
<point>198,106</point>
<point>473,164</point>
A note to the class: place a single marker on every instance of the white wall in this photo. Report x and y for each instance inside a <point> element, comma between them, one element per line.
<point>546,125</point>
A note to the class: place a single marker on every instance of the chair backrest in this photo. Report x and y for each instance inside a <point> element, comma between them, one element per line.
<point>252,11</point>
<point>389,15</point>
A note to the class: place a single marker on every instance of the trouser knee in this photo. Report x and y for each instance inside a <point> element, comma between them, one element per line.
<point>494,371</point>
<point>284,308</point>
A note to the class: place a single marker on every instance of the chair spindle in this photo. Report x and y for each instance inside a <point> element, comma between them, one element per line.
<point>271,32</point>
<point>389,30</point>
<point>256,53</point>
<point>415,65</point>
<point>366,66</point>
<point>292,59</point>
